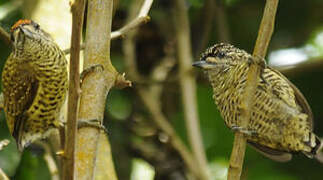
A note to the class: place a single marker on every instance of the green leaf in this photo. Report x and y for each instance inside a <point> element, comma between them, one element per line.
<point>119,104</point>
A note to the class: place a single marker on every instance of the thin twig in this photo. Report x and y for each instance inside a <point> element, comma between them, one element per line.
<point>150,96</point>
<point>77,8</point>
<point>128,45</point>
<point>263,39</point>
<point>5,36</point>
<point>142,18</point>
<point>188,85</point>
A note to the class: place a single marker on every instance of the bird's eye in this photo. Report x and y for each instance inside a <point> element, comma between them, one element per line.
<point>36,26</point>
<point>220,54</point>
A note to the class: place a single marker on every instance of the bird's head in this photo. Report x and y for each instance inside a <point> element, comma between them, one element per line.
<point>27,32</point>
<point>221,58</point>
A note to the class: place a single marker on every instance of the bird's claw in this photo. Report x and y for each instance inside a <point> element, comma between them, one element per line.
<point>262,64</point>
<point>88,70</point>
<point>243,130</point>
<point>92,123</point>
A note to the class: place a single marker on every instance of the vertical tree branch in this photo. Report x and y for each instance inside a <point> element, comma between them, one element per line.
<point>95,86</point>
<point>188,85</point>
<point>150,97</point>
<point>77,8</point>
<point>141,18</point>
<point>104,165</point>
<point>266,28</point>
<point>128,44</point>
<point>263,39</point>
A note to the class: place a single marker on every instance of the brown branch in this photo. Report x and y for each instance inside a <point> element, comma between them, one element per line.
<point>77,8</point>
<point>105,168</point>
<point>142,18</point>
<point>266,28</point>
<point>263,39</point>
<point>150,96</point>
<point>5,36</point>
<point>129,46</point>
<point>188,85</point>
<point>95,86</point>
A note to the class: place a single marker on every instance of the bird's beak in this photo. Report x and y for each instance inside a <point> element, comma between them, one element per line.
<point>203,65</point>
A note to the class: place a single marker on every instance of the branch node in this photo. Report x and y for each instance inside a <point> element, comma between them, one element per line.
<point>121,81</point>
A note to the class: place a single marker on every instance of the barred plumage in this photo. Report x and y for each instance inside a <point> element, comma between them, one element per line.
<point>281,119</point>
<point>34,81</point>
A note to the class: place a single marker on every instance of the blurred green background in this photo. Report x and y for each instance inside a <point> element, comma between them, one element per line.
<point>298,37</point>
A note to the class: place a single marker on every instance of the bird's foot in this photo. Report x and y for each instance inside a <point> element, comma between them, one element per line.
<point>243,130</point>
<point>259,61</point>
<point>92,123</point>
<point>88,70</point>
<point>263,65</point>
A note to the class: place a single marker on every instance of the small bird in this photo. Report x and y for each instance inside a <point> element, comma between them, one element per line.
<point>34,81</point>
<point>281,120</point>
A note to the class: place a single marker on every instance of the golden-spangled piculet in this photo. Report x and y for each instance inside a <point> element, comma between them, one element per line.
<point>34,82</point>
<point>281,120</point>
